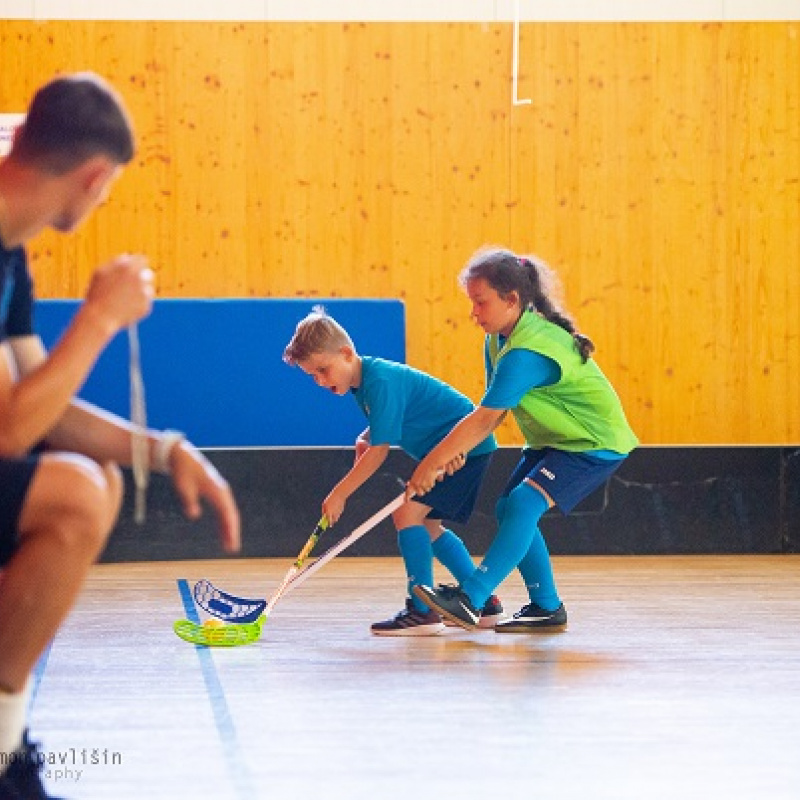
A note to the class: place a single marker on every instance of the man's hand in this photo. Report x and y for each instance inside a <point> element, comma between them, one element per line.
<point>121,292</point>
<point>196,478</point>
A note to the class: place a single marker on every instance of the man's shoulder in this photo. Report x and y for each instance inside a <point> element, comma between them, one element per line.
<point>12,261</point>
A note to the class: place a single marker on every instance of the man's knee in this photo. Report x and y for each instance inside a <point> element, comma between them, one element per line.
<point>114,483</point>
<point>74,499</point>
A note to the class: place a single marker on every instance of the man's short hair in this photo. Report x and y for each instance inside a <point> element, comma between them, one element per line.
<point>72,119</point>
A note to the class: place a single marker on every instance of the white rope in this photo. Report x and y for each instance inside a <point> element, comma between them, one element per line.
<point>515,60</point>
<point>140,457</point>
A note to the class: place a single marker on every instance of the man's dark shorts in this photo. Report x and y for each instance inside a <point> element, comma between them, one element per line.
<point>15,480</point>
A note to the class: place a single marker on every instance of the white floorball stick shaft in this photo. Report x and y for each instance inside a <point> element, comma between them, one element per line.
<point>334,551</point>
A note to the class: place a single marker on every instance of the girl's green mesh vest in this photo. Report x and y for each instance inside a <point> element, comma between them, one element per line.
<point>579,413</point>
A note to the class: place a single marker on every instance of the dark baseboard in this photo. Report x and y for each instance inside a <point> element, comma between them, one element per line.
<point>663,500</point>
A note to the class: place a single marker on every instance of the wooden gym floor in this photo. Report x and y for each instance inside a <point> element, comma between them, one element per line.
<point>679,677</point>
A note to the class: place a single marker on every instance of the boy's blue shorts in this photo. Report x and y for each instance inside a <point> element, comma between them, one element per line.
<point>567,477</point>
<point>453,498</point>
<point>15,478</point>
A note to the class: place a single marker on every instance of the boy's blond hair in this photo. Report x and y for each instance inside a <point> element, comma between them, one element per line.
<point>316,333</point>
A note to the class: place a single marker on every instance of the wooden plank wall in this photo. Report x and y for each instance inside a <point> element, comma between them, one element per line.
<point>658,169</point>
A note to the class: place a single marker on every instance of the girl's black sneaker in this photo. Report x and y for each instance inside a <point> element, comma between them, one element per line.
<point>533,618</point>
<point>491,614</point>
<point>451,603</point>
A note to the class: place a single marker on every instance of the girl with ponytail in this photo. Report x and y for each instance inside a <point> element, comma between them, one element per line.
<point>540,368</point>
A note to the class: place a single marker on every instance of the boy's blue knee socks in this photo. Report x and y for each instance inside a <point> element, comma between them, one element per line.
<point>415,547</point>
<point>451,551</point>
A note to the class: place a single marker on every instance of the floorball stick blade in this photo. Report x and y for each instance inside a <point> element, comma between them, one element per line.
<point>227,606</point>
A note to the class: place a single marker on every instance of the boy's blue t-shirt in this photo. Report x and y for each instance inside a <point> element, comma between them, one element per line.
<point>410,409</point>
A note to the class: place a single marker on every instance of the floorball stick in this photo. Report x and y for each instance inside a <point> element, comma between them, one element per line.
<point>242,609</point>
<point>342,545</point>
<point>249,615</point>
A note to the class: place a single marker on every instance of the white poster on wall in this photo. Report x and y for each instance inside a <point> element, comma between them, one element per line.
<point>8,124</point>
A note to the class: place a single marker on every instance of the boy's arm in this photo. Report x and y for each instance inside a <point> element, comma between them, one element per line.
<point>362,443</point>
<point>362,470</point>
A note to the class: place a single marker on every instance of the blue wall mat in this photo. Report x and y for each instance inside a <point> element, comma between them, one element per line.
<point>214,369</point>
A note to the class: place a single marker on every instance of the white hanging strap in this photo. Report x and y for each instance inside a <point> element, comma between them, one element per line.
<point>515,60</point>
<point>140,456</point>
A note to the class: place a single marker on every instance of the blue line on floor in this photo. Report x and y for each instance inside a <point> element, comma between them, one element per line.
<point>241,776</point>
<point>38,674</point>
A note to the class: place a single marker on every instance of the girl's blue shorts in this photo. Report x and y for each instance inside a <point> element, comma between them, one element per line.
<point>567,477</point>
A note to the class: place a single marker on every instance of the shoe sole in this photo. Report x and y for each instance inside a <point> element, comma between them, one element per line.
<point>486,623</point>
<point>416,630</point>
<point>511,628</point>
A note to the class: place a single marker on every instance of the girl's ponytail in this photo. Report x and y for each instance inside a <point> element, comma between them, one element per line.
<point>534,282</point>
<point>544,289</point>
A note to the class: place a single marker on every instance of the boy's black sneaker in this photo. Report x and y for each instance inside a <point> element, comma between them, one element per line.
<point>410,622</point>
<point>491,614</point>
<point>533,618</point>
<point>451,603</point>
<point>22,779</point>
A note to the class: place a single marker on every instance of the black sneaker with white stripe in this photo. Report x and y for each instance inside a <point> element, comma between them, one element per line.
<point>451,603</point>
<point>491,614</point>
<point>410,622</point>
<point>532,619</point>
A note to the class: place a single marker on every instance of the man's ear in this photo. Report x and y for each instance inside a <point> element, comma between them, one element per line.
<point>94,175</point>
<point>347,352</point>
<point>16,133</point>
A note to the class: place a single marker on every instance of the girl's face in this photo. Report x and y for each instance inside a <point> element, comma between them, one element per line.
<point>339,371</point>
<point>493,313</point>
